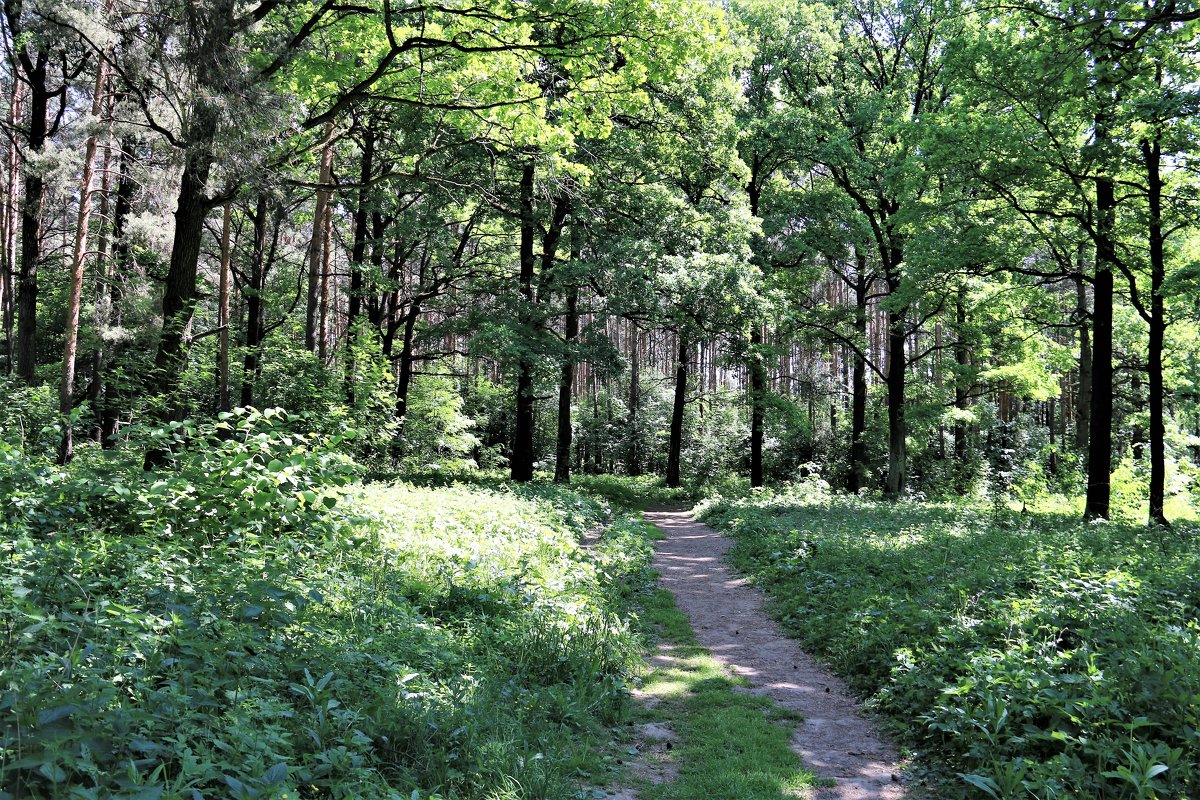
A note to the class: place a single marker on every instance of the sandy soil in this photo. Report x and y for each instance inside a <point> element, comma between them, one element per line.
<point>835,740</point>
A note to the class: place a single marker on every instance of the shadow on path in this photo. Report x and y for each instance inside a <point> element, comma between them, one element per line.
<point>834,740</point>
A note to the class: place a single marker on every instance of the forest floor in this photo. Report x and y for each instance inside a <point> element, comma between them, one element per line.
<point>849,757</point>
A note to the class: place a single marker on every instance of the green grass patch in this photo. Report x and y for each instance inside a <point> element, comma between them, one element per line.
<point>1033,654</point>
<point>638,493</point>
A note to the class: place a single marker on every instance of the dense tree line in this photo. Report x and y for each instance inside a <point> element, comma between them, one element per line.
<point>915,245</point>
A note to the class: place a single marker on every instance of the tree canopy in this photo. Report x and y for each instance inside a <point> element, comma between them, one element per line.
<point>923,248</point>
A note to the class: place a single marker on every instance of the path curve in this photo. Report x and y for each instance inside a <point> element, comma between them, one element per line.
<point>834,740</point>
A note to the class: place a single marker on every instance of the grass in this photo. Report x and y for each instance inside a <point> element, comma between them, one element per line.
<point>1020,655</point>
<point>634,493</point>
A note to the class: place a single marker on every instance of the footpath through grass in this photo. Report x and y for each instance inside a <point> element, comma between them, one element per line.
<point>1037,656</point>
<point>732,744</point>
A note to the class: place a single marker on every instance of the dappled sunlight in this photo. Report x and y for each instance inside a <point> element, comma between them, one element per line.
<point>752,658</point>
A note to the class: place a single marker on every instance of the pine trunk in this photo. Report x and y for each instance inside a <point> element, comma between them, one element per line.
<point>66,385</point>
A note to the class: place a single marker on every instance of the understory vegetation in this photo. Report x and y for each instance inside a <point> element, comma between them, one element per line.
<point>1034,655</point>
<point>253,624</point>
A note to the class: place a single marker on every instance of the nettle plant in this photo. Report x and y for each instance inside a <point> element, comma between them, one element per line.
<point>246,473</point>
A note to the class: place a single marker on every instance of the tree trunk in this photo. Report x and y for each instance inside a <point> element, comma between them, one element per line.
<point>179,297</point>
<point>1099,467</point>
<point>1152,156</point>
<point>521,465</point>
<point>223,400</point>
<point>1083,398</point>
<point>358,252</point>
<point>962,357</point>
<point>856,479</point>
<point>32,206</point>
<point>404,377</point>
<point>316,246</point>
<point>897,429</point>
<point>758,401</point>
<point>633,463</point>
<point>66,385</point>
<point>95,392</point>
<point>758,374</point>
<point>1137,433</point>
<point>598,450</point>
<point>675,447</point>
<point>326,277</point>
<point>254,302</point>
<point>562,461</point>
<point>377,303</point>
<point>114,389</point>
<point>11,209</point>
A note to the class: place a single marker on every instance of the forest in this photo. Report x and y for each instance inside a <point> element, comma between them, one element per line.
<point>333,333</point>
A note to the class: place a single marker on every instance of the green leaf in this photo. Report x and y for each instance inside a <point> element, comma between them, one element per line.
<point>58,712</point>
<point>276,774</point>
<point>983,782</point>
<point>52,772</point>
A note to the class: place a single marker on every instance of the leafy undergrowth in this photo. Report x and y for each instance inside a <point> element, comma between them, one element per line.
<point>627,492</point>
<point>1036,656</point>
<point>635,492</point>
<point>236,628</point>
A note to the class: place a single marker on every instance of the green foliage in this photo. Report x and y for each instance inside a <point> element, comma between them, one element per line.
<point>635,493</point>
<point>490,405</point>
<point>293,378</point>
<point>1033,654</point>
<point>791,442</point>
<point>710,426</point>
<point>28,415</point>
<point>230,628</point>
<point>435,427</point>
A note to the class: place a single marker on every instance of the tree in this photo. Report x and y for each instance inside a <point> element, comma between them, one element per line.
<point>66,386</point>
<point>1095,54</point>
<point>859,105</point>
<point>45,58</point>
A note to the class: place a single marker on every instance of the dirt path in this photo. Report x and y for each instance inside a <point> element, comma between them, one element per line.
<point>727,615</point>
